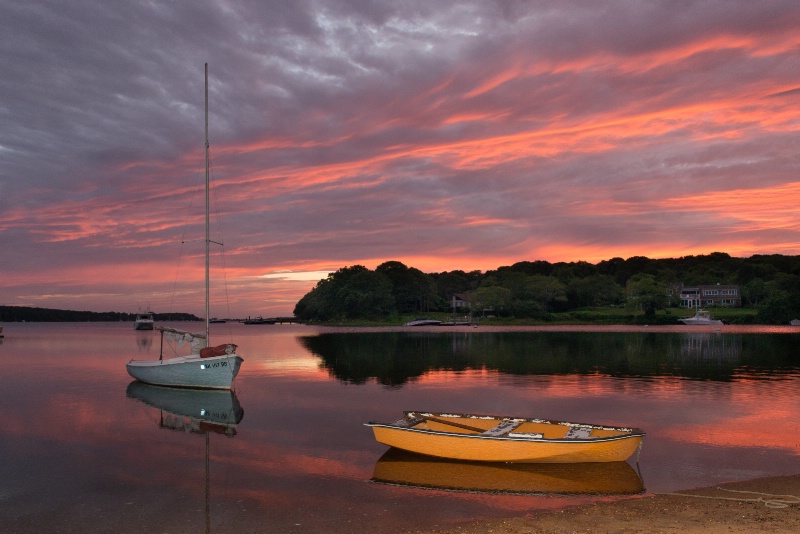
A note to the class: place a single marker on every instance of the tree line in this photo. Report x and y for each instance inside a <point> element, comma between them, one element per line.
<point>537,289</point>
<point>31,314</point>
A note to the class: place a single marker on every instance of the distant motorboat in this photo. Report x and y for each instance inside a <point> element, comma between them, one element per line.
<point>217,321</point>
<point>701,317</point>
<point>423,322</point>
<point>144,321</point>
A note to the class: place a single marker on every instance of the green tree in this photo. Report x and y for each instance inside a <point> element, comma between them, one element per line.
<point>646,293</point>
<point>595,290</point>
<point>350,292</point>
<point>754,291</point>
<point>455,282</point>
<point>365,294</point>
<point>412,290</point>
<point>494,298</point>
<point>547,291</point>
<point>777,308</point>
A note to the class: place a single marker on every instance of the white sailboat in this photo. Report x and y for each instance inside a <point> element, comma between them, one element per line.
<point>205,367</point>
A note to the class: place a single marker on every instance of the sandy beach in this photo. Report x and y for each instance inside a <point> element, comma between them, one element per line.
<point>762,505</point>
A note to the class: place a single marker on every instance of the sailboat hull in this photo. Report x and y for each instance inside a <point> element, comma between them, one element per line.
<point>188,371</point>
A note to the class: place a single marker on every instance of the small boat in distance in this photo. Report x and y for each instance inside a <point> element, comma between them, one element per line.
<point>205,367</point>
<point>489,438</point>
<point>701,317</point>
<point>423,322</point>
<point>144,321</point>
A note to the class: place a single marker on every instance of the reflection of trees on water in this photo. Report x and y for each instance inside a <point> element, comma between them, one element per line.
<point>394,358</point>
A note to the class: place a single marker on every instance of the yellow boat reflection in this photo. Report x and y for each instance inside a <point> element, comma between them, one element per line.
<point>409,469</point>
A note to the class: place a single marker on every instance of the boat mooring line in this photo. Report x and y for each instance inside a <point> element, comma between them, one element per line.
<point>775,501</point>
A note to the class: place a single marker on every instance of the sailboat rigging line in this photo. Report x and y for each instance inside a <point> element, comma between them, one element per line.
<point>212,192</point>
<point>208,227</point>
<point>217,219</point>
<point>207,203</point>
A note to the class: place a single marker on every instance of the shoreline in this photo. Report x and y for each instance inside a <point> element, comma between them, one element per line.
<point>770,504</point>
<point>724,329</point>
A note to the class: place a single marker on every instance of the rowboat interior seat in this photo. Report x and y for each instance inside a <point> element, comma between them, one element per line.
<point>578,433</point>
<point>502,428</point>
<point>408,422</point>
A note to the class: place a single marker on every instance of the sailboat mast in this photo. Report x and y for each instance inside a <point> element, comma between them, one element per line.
<point>208,236</point>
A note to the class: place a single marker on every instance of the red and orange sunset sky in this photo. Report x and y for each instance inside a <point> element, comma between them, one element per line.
<point>445,135</point>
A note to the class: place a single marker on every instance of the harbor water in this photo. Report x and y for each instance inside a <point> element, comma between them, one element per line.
<point>84,448</point>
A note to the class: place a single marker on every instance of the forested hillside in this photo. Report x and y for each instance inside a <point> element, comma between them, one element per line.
<point>535,289</point>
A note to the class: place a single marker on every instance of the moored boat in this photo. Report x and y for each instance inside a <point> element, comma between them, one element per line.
<point>423,322</point>
<point>701,317</point>
<point>206,366</point>
<point>144,321</point>
<point>489,438</point>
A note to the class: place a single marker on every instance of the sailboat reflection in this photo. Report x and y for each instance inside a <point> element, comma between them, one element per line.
<point>408,469</point>
<point>196,411</point>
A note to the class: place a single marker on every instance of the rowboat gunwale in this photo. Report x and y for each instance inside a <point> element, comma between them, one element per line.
<point>506,438</point>
<point>629,431</point>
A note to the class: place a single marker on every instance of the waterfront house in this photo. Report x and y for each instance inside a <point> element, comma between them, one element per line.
<point>708,296</point>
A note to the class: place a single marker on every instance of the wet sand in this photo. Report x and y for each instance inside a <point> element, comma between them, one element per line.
<point>762,505</point>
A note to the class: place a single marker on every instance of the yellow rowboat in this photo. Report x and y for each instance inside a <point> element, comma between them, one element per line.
<point>405,468</point>
<point>488,438</point>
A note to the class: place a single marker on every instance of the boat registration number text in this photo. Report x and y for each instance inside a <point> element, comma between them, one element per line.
<point>215,364</point>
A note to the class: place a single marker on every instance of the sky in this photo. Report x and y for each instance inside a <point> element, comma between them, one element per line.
<point>445,135</point>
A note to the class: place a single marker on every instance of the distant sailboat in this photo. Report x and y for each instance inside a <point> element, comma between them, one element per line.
<point>205,367</point>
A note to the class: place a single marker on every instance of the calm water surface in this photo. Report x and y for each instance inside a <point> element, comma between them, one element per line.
<point>83,449</point>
